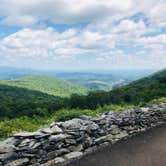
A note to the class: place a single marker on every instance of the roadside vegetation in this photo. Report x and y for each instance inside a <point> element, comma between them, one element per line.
<point>8,127</point>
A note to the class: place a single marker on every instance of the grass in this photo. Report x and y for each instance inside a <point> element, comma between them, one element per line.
<point>8,127</point>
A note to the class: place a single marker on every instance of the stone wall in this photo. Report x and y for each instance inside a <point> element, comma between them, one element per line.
<point>62,142</point>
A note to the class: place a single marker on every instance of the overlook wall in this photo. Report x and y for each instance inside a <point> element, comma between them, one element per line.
<point>63,142</point>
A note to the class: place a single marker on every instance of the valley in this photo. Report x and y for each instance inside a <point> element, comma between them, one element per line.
<point>30,102</point>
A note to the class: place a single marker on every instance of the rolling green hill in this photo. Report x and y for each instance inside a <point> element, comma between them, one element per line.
<point>46,84</point>
<point>16,102</point>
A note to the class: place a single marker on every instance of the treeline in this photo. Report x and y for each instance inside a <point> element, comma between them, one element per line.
<point>17,102</point>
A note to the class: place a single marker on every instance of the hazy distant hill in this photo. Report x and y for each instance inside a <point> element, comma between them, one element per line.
<point>46,84</point>
<point>103,80</point>
<point>91,80</point>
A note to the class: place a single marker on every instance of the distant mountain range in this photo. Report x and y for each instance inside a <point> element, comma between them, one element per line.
<point>90,80</point>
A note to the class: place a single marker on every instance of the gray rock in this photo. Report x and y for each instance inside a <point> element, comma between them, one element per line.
<point>77,148</point>
<point>73,155</point>
<point>109,138</point>
<point>24,142</point>
<point>114,129</point>
<point>90,127</point>
<point>59,137</point>
<point>72,124</point>
<point>62,151</point>
<point>18,162</point>
<point>145,109</point>
<point>52,155</point>
<point>88,142</point>
<point>28,134</point>
<point>56,129</point>
<point>106,138</point>
<point>36,145</point>
<point>57,161</point>
<point>53,129</point>
<point>7,156</point>
<point>100,140</point>
<point>121,135</point>
<point>11,141</point>
<point>6,148</point>
<point>90,150</point>
<point>70,141</point>
<point>46,130</point>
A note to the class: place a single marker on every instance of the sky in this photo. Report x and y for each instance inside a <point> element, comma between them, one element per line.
<point>83,34</point>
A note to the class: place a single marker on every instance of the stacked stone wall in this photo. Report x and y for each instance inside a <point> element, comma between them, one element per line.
<point>63,142</point>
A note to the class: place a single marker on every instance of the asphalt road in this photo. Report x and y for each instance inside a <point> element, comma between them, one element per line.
<point>145,149</point>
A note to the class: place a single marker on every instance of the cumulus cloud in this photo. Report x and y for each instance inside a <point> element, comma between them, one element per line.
<point>19,20</point>
<point>62,11</point>
<point>117,33</point>
<point>48,44</point>
<point>74,11</point>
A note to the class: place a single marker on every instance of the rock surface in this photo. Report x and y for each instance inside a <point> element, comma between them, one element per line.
<point>63,142</point>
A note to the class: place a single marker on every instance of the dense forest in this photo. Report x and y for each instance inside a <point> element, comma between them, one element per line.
<point>16,101</point>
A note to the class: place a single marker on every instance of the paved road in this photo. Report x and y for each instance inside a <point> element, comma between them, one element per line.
<point>146,149</point>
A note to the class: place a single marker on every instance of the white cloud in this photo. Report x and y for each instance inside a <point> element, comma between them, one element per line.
<point>112,34</point>
<point>19,20</point>
<point>41,42</point>
<point>157,14</point>
<point>48,45</point>
<point>62,11</point>
<point>74,11</point>
<point>158,39</point>
<point>129,26</point>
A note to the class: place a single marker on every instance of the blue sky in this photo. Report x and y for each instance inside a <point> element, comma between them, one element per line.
<point>83,34</point>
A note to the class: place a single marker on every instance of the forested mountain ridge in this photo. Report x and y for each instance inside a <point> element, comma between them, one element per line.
<point>157,77</point>
<point>145,89</point>
<point>140,91</point>
<point>46,84</point>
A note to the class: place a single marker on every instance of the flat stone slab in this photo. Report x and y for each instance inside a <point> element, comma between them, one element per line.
<point>73,155</point>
